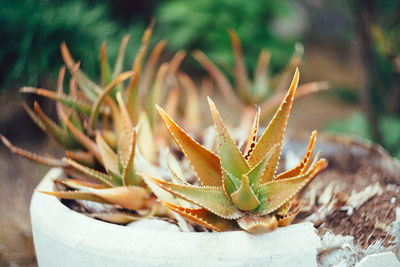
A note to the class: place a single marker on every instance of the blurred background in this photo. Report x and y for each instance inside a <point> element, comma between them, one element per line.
<point>351,44</point>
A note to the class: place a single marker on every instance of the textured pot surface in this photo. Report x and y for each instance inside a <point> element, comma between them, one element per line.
<point>64,237</point>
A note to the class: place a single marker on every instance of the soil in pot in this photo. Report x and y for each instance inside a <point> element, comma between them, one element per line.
<point>354,167</point>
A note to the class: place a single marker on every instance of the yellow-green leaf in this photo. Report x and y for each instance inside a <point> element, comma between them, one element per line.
<point>205,163</point>
<point>76,195</point>
<point>231,158</point>
<point>242,81</point>
<point>110,159</point>
<point>244,198</point>
<point>274,134</point>
<point>59,135</point>
<point>276,193</point>
<point>128,197</point>
<point>107,90</point>
<point>205,218</point>
<point>104,66</point>
<point>146,138</point>
<point>302,167</point>
<point>252,140</point>
<point>129,175</point>
<point>103,178</point>
<point>211,198</point>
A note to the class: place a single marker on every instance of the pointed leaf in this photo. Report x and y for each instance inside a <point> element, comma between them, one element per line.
<point>104,66</point>
<point>242,81</point>
<point>120,58</point>
<point>59,135</point>
<point>76,120</point>
<point>146,138</point>
<point>98,176</point>
<point>260,74</point>
<point>257,172</point>
<point>244,198</point>
<point>274,194</point>
<point>80,105</point>
<point>252,140</point>
<point>230,183</point>
<point>172,101</point>
<point>124,115</point>
<point>231,158</point>
<point>283,210</point>
<point>88,87</point>
<point>150,69</point>
<point>274,134</point>
<point>32,156</point>
<point>117,217</point>
<point>290,216</point>
<point>73,90</point>
<point>176,62</point>
<point>115,116</point>
<point>205,218</point>
<point>33,116</point>
<point>312,87</point>
<point>82,157</point>
<point>159,85</point>
<point>210,198</point>
<point>107,90</point>
<point>271,103</point>
<point>82,138</point>
<point>302,167</point>
<point>77,184</point>
<point>128,197</point>
<point>132,90</point>
<point>281,80</point>
<point>110,159</point>
<point>76,195</point>
<point>205,163</point>
<point>60,91</point>
<point>192,109</point>
<point>111,138</point>
<point>175,169</point>
<point>129,175</point>
<point>219,78</point>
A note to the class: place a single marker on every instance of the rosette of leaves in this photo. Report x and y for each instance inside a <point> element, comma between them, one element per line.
<point>264,90</point>
<point>98,125</point>
<point>241,190</point>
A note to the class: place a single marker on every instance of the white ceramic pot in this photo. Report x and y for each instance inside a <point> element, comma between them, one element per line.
<point>64,237</point>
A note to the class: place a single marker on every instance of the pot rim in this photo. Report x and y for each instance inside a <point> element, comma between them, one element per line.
<point>53,220</point>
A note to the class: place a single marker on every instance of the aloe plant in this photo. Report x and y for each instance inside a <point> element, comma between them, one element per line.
<point>100,126</point>
<point>87,101</point>
<point>264,90</point>
<point>240,190</point>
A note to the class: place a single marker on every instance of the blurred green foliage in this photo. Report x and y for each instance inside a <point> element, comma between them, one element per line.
<point>32,31</point>
<point>203,24</point>
<point>356,124</point>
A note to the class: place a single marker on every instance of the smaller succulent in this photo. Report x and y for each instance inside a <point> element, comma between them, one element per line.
<point>117,184</point>
<point>240,190</point>
<point>101,125</point>
<point>263,90</point>
<point>88,102</point>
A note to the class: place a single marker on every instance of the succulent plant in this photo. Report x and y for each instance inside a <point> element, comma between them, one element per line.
<point>101,126</point>
<point>263,90</point>
<point>240,190</point>
<point>87,102</point>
